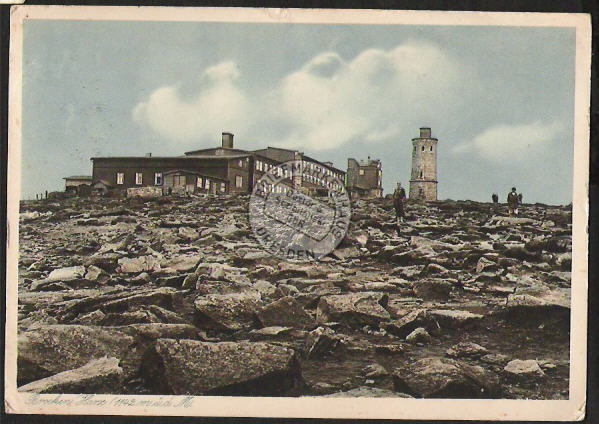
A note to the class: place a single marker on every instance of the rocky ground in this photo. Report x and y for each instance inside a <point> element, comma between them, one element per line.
<point>175,296</point>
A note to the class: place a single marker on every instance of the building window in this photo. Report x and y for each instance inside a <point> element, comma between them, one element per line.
<point>200,182</point>
<point>259,165</point>
<point>138,178</point>
<point>420,174</point>
<point>431,148</point>
<point>361,172</point>
<point>423,148</point>
<point>207,187</point>
<point>223,187</point>
<point>158,178</point>
<point>238,181</point>
<point>120,177</point>
<point>240,163</point>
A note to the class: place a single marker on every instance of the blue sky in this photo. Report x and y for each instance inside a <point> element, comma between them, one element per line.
<point>499,99</point>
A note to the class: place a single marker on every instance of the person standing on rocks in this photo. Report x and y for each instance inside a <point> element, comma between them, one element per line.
<point>398,198</point>
<point>512,202</point>
<point>495,198</point>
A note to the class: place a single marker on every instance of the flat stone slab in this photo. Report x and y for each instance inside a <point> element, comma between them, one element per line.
<point>453,318</point>
<point>444,378</point>
<point>97,376</point>
<point>227,368</point>
<point>231,312</point>
<point>286,312</point>
<point>353,308</point>
<point>524,369</point>
<point>51,349</point>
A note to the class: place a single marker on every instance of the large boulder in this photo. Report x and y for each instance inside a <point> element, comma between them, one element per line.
<point>430,289</point>
<point>419,335</point>
<point>286,312</point>
<point>451,318</point>
<point>405,325</point>
<point>190,367</point>
<point>321,342</point>
<point>66,274</point>
<point>137,265</point>
<point>97,376</point>
<point>353,308</point>
<point>51,349</point>
<point>231,312</point>
<point>469,349</point>
<point>486,265</point>
<point>523,370</point>
<point>445,378</point>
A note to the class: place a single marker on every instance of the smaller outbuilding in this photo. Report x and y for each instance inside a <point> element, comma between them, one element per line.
<point>78,184</point>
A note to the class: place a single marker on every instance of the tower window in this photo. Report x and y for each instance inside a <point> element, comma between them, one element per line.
<point>423,148</point>
<point>431,148</point>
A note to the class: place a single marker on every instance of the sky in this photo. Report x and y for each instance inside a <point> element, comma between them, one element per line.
<point>499,99</point>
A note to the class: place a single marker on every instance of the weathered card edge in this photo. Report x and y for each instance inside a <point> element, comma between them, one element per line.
<point>563,410</point>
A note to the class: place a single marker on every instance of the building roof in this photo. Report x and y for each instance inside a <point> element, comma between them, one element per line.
<point>366,162</point>
<point>150,158</point>
<point>234,154</point>
<point>305,157</point>
<point>226,149</point>
<point>323,164</point>
<point>78,177</point>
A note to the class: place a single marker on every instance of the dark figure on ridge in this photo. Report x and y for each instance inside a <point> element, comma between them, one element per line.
<point>512,202</point>
<point>398,198</point>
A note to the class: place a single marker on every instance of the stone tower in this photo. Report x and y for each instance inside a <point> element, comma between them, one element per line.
<point>423,181</point>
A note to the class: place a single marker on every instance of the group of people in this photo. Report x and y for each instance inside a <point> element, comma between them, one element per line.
<point>514,200</point>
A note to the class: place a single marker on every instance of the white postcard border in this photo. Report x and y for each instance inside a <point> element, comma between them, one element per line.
<point>310,407</point>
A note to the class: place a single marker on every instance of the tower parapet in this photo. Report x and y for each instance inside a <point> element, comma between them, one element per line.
<point>423,180</point>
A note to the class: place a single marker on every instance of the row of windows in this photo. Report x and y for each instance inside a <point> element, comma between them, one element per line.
<point>264,167</point>
<point>275,189</point>
<point>312,179</point>
<point>205,183</point>
<point>139,178</point>
<point>423,148</point>
<point>178,180</point>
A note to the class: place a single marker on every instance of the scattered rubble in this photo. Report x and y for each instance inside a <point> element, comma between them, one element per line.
<point>175,296</point>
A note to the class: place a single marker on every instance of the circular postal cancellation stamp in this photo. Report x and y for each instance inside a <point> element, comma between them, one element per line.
<point>299,213</point>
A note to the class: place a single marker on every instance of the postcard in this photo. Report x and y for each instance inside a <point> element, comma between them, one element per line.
<point>297,213</point>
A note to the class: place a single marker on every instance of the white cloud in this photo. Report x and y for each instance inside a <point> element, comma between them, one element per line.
<point>322,105</point>
<point>329,102</point>
<point>218,105</point>
<point>514,142</point>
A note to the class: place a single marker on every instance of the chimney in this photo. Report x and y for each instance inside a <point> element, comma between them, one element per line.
<point>148,155</point>
<point>425,132</point>
<point>227,140</point>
